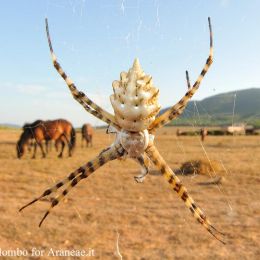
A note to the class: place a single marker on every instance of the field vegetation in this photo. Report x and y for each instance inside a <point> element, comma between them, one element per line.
<point>151,221</point>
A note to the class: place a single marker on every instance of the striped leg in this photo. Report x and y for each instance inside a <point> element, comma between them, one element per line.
<point>177,109</point>
<point>176,184</point>
<point>75,177</point>
<point>90,106</point>
<point>144,161</point>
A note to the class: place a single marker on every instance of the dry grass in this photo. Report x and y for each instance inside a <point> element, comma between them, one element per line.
<point>152,221</point>
<point>202,166</point>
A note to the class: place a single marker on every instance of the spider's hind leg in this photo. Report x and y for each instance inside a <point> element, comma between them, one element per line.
<point>182,192</point>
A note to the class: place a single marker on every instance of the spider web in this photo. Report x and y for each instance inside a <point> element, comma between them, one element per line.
<point>132,40</point>
<point>80,9</point>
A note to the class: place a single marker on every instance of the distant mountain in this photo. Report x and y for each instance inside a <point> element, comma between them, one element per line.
<point>227,108</point>
<point>215,110</point>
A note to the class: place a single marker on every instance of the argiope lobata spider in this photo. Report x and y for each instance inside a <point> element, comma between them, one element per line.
<point>135,103</point>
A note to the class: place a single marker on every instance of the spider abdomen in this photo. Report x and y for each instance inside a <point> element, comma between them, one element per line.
<point>135,99</point>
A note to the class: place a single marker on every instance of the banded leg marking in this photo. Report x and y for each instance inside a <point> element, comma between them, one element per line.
<point>182,192</point>
<point>178,108</point>
<point>75,177</point>
<point>78,95</point>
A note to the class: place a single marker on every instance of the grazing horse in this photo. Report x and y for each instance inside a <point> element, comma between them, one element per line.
<point>87,134</point>
<point>203,133</point>
<point>56,130</point>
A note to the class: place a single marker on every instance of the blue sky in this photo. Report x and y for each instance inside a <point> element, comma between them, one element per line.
<point>96,40</point>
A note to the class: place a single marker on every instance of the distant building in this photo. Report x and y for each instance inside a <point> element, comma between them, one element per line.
<point>237,129</point>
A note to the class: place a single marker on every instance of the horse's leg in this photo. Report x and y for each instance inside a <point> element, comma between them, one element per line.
<point>42,149</point>
<point>34,151</point>
<point>62,148</point>
<point>30,145</point>
<point>70,147</point>
<point>87,140</point>
<point>56,144</point>
<point>68,139</point>
<point>47,146</point>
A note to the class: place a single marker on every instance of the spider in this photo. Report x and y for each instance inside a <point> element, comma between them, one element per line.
<point>135,104</point>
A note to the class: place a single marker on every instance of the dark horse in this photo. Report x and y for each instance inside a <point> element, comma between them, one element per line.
<point>87,134</point>
<point>56,130</point>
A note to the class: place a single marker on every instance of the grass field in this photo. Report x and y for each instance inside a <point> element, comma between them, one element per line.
<point>151,221</point>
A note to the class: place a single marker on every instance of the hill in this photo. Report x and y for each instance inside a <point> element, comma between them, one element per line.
<point>242,106</point>
<point>215,110</point>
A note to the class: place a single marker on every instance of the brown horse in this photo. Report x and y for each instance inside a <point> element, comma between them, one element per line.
<point>87,134</point>
<point>203,133</point>
<point>56,130</point>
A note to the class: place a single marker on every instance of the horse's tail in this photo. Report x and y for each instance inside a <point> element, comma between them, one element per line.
<point>73,138</point>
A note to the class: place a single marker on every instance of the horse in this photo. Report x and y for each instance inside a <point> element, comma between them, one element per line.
<point>59,130</point>
<point>87,134</point>
<point>203,133</point>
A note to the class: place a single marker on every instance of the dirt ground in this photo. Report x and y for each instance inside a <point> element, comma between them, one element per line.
<point>110,212</point>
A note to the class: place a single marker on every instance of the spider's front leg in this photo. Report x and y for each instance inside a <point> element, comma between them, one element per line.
<point>86,102</point>
<point>176,184</point>
<point>109,154</point>
<point>178,108</point>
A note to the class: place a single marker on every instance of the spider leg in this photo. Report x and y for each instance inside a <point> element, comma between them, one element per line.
<point>54,188</point>
<point>87,103</point>
<point>144,161</point>
<point>178,108</point>
<point>75,177</point>
<point>176,184</point>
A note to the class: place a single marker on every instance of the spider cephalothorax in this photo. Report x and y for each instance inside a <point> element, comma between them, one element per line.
<point>134,143</point>
<point>135,103</point>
